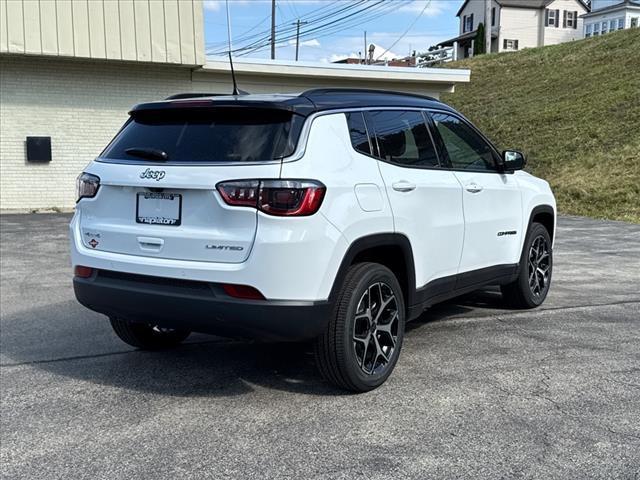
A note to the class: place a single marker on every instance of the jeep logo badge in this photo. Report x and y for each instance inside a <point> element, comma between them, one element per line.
<point>156,175</point>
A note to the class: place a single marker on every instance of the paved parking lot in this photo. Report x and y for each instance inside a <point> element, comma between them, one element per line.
<point>479,392</point>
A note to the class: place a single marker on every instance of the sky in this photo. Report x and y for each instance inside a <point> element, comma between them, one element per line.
<point>396,27</point>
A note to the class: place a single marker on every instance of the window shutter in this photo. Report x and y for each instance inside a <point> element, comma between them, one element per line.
<point>564,19</point>
<point>504,44</point>
<point>575,20</point>
<point>471,29</point>
<point>557,18</point>
<point>546,17</point>
<point>516,45</point>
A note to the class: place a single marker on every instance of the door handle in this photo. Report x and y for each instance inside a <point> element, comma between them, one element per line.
<point>473,188</point>
<point>150,244</point>
<point>403,186</point>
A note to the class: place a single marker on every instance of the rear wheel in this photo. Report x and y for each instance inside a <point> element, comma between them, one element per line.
<point>536,264</point>
<point>362,342</point>
<point>147,336</point>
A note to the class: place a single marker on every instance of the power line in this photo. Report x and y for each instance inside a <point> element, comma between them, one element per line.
<point>263,38</point>
<point>407,30</point>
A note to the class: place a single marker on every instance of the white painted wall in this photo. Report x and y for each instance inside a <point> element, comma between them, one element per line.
<point>553,35</point>
<point>167,31</point>
<point>520,24</point>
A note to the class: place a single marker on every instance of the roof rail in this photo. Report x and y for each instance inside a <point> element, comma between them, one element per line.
<point>370,91</point>
<point>193,95</point>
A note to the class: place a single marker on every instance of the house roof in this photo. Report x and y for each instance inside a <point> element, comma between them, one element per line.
<point>533,4</point>
<point>464,36</point>
<point>612,8</point>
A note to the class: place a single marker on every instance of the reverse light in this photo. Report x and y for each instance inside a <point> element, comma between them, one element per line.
<point>83,272</point>
<point>87,186</point>
<point>282,198</point>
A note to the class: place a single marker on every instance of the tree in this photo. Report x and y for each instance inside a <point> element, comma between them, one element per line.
<point>479,43</point>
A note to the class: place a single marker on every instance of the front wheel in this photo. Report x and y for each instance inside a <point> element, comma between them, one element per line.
<point>534,278</point>
<point>362,342</point>
<point>147,336</point>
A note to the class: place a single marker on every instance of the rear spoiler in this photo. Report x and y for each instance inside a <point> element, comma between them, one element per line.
<point>197,101</point>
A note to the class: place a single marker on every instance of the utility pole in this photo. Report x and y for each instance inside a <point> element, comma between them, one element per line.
<point>297,24</point>
<point>487,25</point>
<point>273,29</point>
<point>366,58</point>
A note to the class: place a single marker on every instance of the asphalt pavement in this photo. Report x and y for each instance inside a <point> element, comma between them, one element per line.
<point>479,392</point>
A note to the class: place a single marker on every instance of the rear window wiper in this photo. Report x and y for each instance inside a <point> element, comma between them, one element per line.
<point>148,153</point>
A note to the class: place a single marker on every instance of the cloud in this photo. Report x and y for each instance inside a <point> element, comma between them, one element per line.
<point>212,5</point>
<point>435,7</point>
<point>306,43</point>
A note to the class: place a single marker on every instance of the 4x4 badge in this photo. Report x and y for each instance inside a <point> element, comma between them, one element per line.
<point>156,175</point>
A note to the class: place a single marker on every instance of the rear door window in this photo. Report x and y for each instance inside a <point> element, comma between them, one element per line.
<point>403,138</point>
<point>210,136</point>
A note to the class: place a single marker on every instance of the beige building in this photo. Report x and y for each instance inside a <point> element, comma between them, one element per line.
<point>518,24</point>
<point>71,69</point>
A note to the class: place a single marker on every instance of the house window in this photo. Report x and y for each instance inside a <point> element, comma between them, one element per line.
<point>612,25</point>
<point>588,30</point>
<point>634,22</point>
<point>493,17</point>
<point>570,19</point>
<point>467,23</point>
<point>604,28</point>
<point>596,29</point>
<point>620,23</point>
<point>510,44</point>
<point>552,17</point>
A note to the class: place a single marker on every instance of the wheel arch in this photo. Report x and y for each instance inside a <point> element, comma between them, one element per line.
<point>392,250</point>
<point>545,215</point>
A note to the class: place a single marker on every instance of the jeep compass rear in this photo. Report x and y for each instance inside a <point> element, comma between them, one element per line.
<point>333,216</point>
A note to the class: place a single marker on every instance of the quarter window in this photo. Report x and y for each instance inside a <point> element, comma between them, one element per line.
<point>465,148</point>
<point>403,138</point>
<point>358,132</point>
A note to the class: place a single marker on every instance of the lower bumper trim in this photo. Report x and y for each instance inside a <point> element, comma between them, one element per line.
<point>199,307</point>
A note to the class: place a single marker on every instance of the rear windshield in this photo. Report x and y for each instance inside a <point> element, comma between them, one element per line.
<point>221,135</point>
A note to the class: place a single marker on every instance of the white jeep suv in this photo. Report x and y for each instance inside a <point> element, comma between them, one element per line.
<point>335,215</point>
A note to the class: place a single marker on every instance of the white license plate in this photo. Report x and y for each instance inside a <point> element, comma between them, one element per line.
<point>159,208</point>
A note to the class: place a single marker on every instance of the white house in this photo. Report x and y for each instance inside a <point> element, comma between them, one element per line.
<point>71,69</point>
<point>610,15</point>
<point>518,24</point>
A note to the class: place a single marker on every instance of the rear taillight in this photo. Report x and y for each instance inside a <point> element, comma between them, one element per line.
<point>87,186</point>
<point>282,198</point>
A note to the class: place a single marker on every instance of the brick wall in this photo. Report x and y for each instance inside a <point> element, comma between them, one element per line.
<point>80,105</point>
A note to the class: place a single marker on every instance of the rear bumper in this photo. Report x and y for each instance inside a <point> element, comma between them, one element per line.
<point>199,307</point>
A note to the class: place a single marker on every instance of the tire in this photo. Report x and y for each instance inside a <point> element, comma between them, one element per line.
<point>535,269</point>
<point>147,337</point>
<point>362,343</point>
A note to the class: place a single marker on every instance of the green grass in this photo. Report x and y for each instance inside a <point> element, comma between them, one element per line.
<point>574,110</point>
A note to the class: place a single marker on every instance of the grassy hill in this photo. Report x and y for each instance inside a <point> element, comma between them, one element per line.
<point>574,109</point>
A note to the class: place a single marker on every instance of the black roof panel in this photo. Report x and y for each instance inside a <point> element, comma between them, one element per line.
<point>305,103</point>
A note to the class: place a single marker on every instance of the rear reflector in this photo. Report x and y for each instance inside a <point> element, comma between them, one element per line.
<point>83,272</point>
<point>242,291</point>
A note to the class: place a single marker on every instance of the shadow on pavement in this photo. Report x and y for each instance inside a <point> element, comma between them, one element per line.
<point>204,366</point>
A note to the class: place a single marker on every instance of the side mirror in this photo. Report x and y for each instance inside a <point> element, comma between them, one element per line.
<point>513,160</point>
